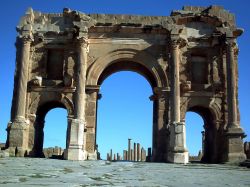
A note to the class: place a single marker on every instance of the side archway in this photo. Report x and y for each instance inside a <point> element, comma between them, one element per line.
<point>210,111</point>
<point>55,98</point>
<point>42,110</point>
<point>210,133</point>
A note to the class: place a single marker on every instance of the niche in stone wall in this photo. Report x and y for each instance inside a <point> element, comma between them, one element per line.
<point>55,60</point>
<point>199,70</point>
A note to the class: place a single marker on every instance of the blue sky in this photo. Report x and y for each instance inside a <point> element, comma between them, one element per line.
<point>131,116</point>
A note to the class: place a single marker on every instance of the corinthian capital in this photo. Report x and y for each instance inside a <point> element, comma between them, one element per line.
<point>26,39</point>
<point>231,44</point>
<point>83,43</point>
<point>176,41</point>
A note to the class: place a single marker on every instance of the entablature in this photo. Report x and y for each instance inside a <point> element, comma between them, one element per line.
<point>202,94</point>
<point>196,22</point>
<point>52,89</point>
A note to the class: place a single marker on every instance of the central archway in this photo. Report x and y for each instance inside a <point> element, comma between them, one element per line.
<point>123,65</point>
<point>136,61</point>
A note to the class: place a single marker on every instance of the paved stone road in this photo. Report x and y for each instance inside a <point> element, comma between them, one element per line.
<point>48,172</point>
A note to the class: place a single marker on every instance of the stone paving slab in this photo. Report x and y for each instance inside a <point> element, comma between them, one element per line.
<point>50,172</point>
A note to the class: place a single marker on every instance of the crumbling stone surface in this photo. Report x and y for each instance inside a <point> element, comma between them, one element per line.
<point>4,153</point>
<point>52,152</point>
<point>2,146</point>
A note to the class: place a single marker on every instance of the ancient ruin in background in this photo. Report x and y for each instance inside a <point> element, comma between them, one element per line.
<point>189,58</point>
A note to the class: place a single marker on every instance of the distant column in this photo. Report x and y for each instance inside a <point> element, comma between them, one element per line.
<point>129,149</point>
<point>118,157</point>
<point>108,157</point>
<point>149,155</point>
<point>135,152</point>
<point>138,152</point>
<point>203,142</point>
<point>111,155</point>
<point>132,155</point>
<point>125,155</point>
<point>143,155</point>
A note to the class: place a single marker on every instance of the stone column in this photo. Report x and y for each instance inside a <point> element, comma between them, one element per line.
<point>135,152</point>
<point>91,119</point>
<point>22,79</point>
<point>118,156</point>
<point>111,155</point>
<point>132,155</point>
<point>80,96</point>
<point>143,154</point>
<point>231,85</point>
<point>18,129</point>
<point>149,156</point>
<point>175,80</point>
<point>160,118</point>
<point>129,149</point>
<point>234,133</point>
<point>203,142</point>
<point>138,152</point>
<point>178,152</point>
<point>108,159</point>
<point>75,151</point>
<point>125,153</point>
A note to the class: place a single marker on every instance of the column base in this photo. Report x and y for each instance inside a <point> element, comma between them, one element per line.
<point>18,135</point>
<point>74,154</point>
<point>74,150</point>
<point>236,157</point>
<point>179,158</point>
<point>234,143</point>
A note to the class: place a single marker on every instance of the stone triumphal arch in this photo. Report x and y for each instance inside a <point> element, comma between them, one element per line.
<point>189,58</point>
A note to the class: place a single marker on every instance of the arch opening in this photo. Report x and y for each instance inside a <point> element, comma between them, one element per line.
<point>131,60</point>
<point>50,128</point>
<point>125,110</point>
<point>125,65</point>
<point>201,135</point>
